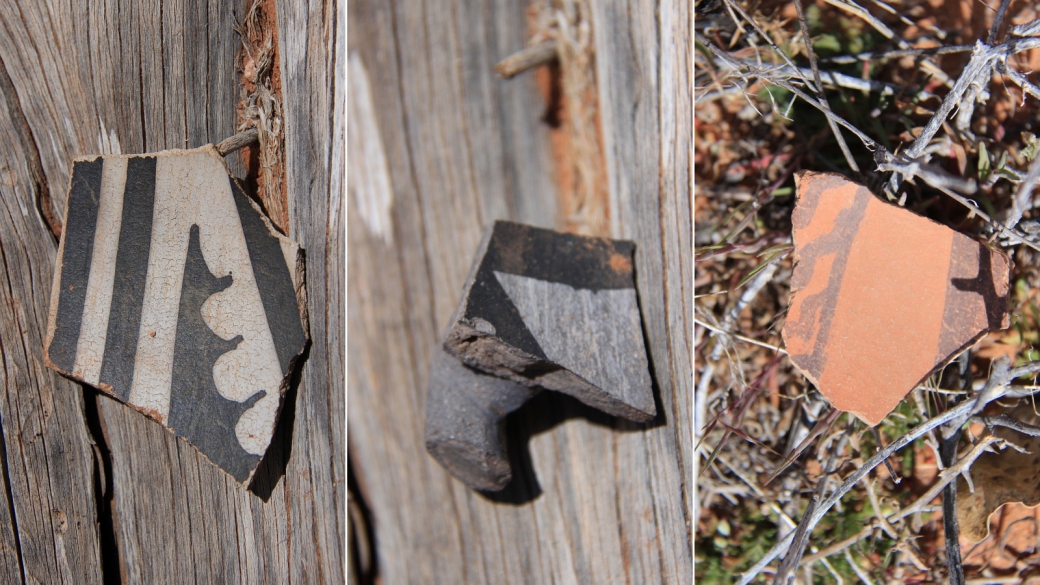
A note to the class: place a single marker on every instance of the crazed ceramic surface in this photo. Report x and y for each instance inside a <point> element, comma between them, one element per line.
<point>881,297</point>
<point>173,294</point>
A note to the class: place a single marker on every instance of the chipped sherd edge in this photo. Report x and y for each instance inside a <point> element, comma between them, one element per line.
<point>557,311</point>
<point>540,309</point>
<point>174,294</point>
<point>881,297</point>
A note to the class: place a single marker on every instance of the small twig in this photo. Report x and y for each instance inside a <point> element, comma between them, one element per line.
<point>1028,88</point>
<point>854,478</point>
<point>857,569</point>
<point>238,141</point>
<point>857,10</point>
<point>527,58</point>
<point>876,505</point>
<point>819,84</point>
<point>1023,195</point>
<point>841,80</point>
<point>1006,420</point>
<point>997,21</point>
<point>951,436</point>
<point>951,530</point>
<point>801,535</point>
<point>739,336</point>
<point>999,227</point>
<point>883,55</point>
<point>931,174</point>
<point>888,464</point>
<point>978,67</point>
<point>1028,29</point>
<point>948,475</point>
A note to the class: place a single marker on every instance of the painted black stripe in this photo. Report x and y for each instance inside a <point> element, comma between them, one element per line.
<point>80,226</point>
<point>273,280</point>
<point>577,261</point>
<point>197,410</point>
<point>825,303</point>
<point>135,240</point>
<point>490,302</point>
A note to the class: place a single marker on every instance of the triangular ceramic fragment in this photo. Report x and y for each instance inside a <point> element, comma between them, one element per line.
<point>881,297</point>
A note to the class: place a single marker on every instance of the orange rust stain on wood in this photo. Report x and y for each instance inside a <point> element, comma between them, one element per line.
<point>579,164</point>
<point>882,297</point>
<point>255,182</point>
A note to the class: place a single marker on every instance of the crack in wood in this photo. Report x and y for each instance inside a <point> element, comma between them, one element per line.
<point>111,556</point>
<point>41,190</point>
<point>10,497</point>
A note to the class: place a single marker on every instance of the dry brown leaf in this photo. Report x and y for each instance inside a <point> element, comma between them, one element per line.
<point>1014,534</point>
<point>1006,476</point>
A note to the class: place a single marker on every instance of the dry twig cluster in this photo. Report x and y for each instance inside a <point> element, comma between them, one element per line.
<point>748,444</point>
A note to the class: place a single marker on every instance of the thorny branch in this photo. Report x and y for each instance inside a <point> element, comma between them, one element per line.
<point>968,89</point>
<point>995,388</point>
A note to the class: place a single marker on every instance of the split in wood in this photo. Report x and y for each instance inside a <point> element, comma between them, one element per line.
<point>525,59</point>
<point>540,310</point>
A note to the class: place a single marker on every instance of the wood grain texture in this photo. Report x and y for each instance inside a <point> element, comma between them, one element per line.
<point>48,516</point>
<point>603,500</point>
<point>142,76</point>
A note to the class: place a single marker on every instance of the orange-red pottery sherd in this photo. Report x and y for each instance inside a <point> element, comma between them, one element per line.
<point>881,297</point>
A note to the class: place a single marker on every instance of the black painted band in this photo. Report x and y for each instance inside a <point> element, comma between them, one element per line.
<point>272,279</point>
<point>131,275</point>
<point>80,226</point>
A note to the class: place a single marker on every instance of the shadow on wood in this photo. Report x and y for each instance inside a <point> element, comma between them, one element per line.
<point>272,467</point>
<point>541,414</point>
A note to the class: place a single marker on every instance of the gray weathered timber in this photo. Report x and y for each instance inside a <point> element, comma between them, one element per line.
<point>142,76</point>
<point>646,98</point>
<point>446,149</point>
<point>48,522</point>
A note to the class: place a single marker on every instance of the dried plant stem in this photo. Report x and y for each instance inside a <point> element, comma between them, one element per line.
<point>743,338</point>
<point>918,431</point>
<point>946,476</point>
<point>801,535</point>
<point>817,88</point>
<point>708,373</point>
<point>1023,195</point>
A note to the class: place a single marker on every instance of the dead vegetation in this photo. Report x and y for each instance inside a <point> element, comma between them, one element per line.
<point>935,106</point>
<point>260,107</point>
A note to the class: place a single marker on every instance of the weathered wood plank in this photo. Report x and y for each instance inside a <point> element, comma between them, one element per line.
<point>605,501</point>
<point>676,180</point>
<point>129,76</point>
<point>311,44</point>
<point>48,517</point>
<point>645,100</point>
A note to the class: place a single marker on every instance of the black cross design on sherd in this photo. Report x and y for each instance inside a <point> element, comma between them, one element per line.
<point>982,284</point>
